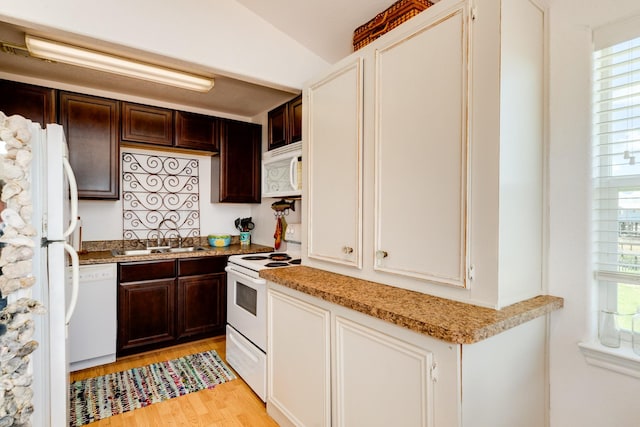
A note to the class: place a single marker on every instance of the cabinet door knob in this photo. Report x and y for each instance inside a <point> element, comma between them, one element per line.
<point>347,250</point>
<point>381,254</point>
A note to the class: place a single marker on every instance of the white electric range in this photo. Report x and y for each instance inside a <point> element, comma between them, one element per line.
<point>246,334</point>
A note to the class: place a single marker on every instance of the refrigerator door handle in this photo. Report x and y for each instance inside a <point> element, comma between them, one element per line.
<point>73,190</point>
<point>75,279</point>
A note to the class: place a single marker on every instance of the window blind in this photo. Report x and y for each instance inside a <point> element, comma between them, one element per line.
<point>616,161</point>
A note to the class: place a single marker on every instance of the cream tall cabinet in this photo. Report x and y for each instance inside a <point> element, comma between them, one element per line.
<point>420,151</point>
<point>425,151</point>
<point>335,207</point>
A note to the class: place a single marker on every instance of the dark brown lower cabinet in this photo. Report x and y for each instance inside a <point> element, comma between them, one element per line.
<point>148,309</point>
<point>201,297</point>
<point>146,305</point>
<point>162,303</point>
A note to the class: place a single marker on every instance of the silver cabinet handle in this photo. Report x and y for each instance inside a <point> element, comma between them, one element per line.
<point>347,250</point>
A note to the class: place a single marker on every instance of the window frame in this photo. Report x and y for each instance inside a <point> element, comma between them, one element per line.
<point>607,280</point>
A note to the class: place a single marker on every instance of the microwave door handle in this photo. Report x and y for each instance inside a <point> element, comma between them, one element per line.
<point>73,190</point>
<point>293,175</point>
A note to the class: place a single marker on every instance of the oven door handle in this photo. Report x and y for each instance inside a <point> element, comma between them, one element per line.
<point>242,348</point>
<point>254,280</point>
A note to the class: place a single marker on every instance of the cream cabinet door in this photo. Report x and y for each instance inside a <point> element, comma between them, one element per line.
<point>299,370</point>
<point>335,166</point>
<point>380,380</point>
<point>421,152</point>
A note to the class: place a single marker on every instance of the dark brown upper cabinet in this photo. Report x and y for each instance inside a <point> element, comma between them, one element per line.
<point>196,131</point>
<point>35,103</point>
<point>146,124</point>
<point>91,125</point>
<point>295,120</point>
<point>278,122</point>
<point>236,171</point>
<point>168,128</point>
<point>285,124</point>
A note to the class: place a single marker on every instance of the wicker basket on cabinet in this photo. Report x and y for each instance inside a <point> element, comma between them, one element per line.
<point>387,20</point>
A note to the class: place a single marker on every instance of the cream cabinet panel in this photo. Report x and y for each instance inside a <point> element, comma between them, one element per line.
<point>299,373</point>
<point>506,375</point>
<point>335,166</point>
<point>453,122</point>
<point>380,380</point>
<point>421,152</point>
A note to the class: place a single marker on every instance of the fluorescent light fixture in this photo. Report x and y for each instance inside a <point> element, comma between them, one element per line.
<point>61,52</point>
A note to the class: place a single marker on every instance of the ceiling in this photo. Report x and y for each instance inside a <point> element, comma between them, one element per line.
<point>323,27</point>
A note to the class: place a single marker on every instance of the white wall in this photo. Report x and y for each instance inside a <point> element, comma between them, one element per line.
<point>581,394</point>
<point>102,219</point>
<point>210,33</point>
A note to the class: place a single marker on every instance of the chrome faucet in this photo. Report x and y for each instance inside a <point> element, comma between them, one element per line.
<point>159,234</point>
<point>158,239</point>
<point>174,228</point>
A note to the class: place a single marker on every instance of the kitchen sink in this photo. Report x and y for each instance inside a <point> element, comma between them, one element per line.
<point>189,249</point>
<point>128,252</point>
<point>159,250</point>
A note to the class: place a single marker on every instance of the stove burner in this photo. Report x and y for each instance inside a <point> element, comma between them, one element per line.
<point>280,257</point>
<point>295,261</point>
<point>254,257</point>
<point>276,264</point>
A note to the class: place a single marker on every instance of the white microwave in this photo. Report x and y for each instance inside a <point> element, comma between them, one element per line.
<point>282,174</point>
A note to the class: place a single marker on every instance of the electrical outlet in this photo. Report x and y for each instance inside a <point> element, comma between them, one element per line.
<point>293,233</point>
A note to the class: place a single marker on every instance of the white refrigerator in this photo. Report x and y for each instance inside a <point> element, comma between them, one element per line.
<point>55,205</point>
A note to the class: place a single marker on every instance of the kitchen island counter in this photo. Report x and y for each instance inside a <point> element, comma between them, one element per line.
<point>451,321</point>
<point>106,255</point>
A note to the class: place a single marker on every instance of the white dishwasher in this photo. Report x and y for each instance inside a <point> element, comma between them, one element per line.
<point>93,326</point>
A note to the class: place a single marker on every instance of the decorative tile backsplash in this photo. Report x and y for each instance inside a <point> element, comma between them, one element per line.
<point>160,196</point>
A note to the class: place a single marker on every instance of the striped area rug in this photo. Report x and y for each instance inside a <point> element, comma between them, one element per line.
<point>101,397</point>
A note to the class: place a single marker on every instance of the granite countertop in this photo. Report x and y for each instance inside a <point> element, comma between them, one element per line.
<point>441,318</point>
<point>106,256</point>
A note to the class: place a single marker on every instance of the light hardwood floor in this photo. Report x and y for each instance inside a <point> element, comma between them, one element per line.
<point>230,404</point>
